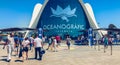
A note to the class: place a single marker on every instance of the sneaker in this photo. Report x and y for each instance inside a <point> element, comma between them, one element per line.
<point>35,58</point>
<point>40,59</point>
<point>47,49</point>
<point>9,60</point>
<point>16,56</point>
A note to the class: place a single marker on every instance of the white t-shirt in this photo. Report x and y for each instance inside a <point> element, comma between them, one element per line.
<point>43,39</point>
<point>55,41</point>
<point>25,43</point>
<point>11,39</point>
<point>31,40</point>
<point>38,42</point>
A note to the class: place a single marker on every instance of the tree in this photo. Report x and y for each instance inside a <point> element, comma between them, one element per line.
<point>111,33</point>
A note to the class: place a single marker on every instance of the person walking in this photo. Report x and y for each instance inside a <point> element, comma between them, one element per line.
<point>25,44</point>
<point>58,40</point>
<point>68,39</point>
<point>49,43</point>
<point>10,46</point>
<point>38,46</point>
<point>16,39</point>
<point>105,40</point>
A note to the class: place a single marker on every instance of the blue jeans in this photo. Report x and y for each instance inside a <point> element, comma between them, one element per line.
<point>31,44</point>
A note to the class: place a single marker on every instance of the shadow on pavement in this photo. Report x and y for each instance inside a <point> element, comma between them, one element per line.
<point>31,58</point>
<point>3,60</point>
<point>3,56</point>
<point>18,60</point>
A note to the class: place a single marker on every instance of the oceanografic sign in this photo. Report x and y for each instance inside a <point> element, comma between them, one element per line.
<point>62,17</point>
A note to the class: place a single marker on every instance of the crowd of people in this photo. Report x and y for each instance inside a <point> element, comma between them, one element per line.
<point>20,45</point>
<point>95,39</point>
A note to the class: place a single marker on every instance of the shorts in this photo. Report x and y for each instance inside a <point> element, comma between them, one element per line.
<point>16,49</point>
<point>68,44</point>
<point>58,41</point>
<point>25,49</point>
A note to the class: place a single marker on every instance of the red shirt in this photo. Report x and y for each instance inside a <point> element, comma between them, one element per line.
<point>57,38</point>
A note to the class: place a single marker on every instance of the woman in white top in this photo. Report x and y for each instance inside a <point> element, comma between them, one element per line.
<point>25,44</point>
<point>55,44</point>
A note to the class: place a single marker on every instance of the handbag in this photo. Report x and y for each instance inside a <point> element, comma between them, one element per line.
<point>42,51</point>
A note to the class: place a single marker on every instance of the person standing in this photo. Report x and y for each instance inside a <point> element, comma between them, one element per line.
<point>82,39</point>
<point>90,37</point>
<point>68,39</point>
<point>38,46</point>
<point>43,39</point>
<point>54,44</point>
<point>20,42</point>
<point>31,42</point>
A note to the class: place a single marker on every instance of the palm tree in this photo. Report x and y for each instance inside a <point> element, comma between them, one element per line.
<point>111,33</point>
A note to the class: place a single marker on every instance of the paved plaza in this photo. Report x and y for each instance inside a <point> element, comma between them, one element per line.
<point>77,55</point>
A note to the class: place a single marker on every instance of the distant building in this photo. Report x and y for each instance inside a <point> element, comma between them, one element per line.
<point>62,17</point>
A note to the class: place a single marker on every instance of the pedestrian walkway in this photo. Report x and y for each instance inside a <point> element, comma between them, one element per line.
<point>78,55</point>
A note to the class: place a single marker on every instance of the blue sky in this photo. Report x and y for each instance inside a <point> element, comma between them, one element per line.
<point>106,11</point>
<point>13,13</point>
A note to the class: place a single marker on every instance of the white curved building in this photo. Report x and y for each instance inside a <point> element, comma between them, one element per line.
<point>35,15</point>
<point>63,17</point>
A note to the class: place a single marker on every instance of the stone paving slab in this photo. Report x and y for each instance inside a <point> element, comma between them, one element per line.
<point>78,55</point>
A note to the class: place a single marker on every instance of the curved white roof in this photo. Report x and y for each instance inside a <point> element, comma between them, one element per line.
<point>39,7</point>
<point>93,22</point>
<point>35,14</point>
<point>34,19</point>
<point>90,11</point>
